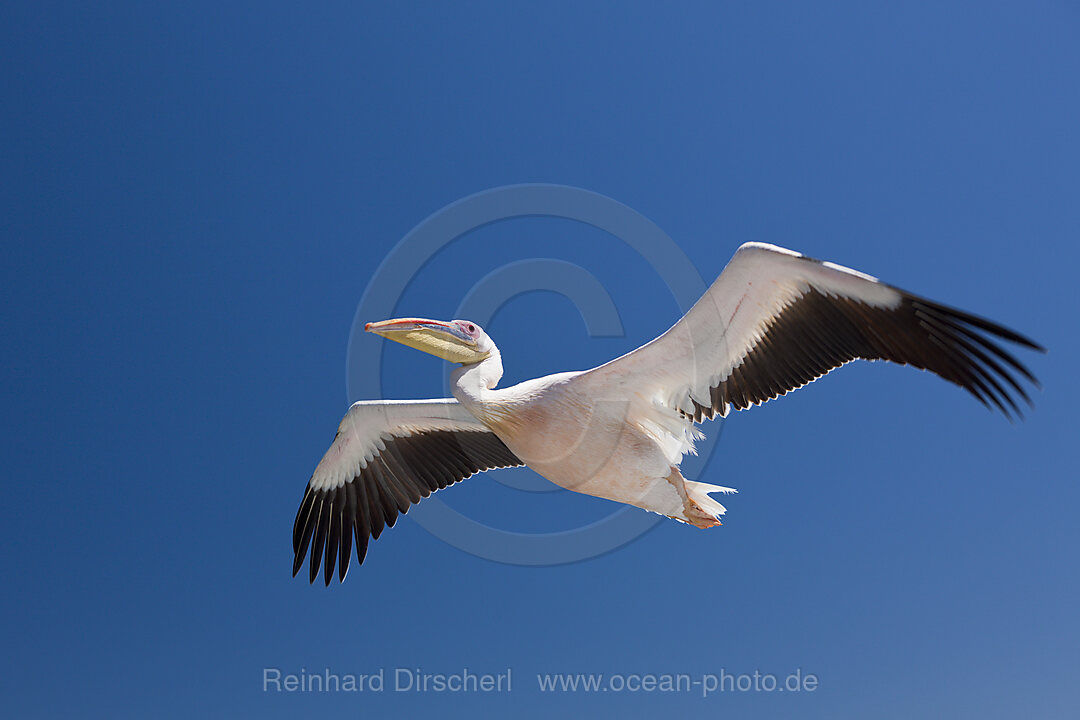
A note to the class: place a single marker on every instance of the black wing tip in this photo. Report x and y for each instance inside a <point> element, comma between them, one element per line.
<point>978,321</point>
<point>974,323</point>
<point>318,535</point>
<point>1025,341</point>
<point>1032,345</point>
<point>330,520</point>
<point>343,571</point>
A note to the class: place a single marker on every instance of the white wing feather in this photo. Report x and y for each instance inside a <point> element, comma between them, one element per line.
<point>368,424</point>
<point>701,350</point>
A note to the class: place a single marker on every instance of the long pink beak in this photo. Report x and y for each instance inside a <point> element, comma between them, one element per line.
<point>403,324</point>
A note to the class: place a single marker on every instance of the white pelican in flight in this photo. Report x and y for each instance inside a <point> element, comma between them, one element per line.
<point>772,322</point>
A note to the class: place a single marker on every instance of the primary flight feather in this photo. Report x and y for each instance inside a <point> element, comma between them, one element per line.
<point>772,322</point>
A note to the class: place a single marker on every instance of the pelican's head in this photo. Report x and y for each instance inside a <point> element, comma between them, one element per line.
<point>459,341</point>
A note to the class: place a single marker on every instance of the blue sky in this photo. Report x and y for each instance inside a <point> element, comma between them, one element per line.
<point>194,198</point>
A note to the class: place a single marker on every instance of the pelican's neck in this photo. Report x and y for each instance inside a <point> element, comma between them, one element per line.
<point>471,383</point>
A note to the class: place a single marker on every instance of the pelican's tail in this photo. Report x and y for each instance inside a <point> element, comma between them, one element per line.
<point>698,509</point>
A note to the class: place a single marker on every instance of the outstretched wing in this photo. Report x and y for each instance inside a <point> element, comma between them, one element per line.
<point>776,320</point>
<point>387,455</point>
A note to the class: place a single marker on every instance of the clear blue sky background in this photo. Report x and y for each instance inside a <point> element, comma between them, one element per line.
<point>194,197</point>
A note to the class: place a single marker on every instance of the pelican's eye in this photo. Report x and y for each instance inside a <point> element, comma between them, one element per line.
<point>471,328</point>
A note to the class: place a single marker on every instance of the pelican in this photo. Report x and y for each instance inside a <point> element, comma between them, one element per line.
<point>772,322</point>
